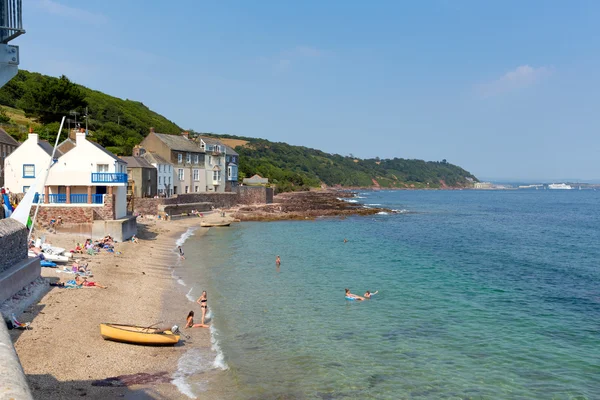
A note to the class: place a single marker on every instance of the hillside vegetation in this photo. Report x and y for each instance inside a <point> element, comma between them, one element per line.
<point>115,123</point>
<point>297,167</point>
<point>40,101</point>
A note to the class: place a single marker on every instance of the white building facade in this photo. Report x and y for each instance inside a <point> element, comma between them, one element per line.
<point>215,165</point>
<point>80,176</point>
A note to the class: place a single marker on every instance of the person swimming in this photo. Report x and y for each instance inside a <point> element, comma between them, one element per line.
<point>277,261</point>
<point>369,294</point>
<point>352,296</point>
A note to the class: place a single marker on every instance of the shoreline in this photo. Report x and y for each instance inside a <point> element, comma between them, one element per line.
<point>64,356</point>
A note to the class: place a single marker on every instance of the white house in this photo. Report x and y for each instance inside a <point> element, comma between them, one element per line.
<point>214,164</point>
<point>83,173</point>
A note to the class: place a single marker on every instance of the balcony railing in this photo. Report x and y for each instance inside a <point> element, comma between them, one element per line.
<point>11,20</point>
<point>105,177</point>
<point>75,199</point>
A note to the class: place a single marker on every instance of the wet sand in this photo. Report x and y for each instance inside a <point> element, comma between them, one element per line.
<point>64,356</point>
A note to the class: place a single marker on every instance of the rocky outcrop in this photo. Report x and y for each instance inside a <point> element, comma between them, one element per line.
<point>304,205</point>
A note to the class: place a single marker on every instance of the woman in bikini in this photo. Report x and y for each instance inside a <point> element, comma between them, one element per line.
<point>203,301</point>
<point>190,322</point>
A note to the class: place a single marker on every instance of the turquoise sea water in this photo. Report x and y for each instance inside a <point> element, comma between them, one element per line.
<point>482,295</point>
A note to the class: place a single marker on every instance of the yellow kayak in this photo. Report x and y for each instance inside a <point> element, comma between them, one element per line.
<point>138,334</point>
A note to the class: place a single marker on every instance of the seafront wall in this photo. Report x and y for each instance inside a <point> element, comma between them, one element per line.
<point>182,203</point>
<point>16,271</point>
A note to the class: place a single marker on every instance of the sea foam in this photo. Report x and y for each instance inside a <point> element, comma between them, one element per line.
<point>192,362</point>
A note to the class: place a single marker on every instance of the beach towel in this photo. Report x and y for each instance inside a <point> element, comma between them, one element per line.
<point>72,284</point>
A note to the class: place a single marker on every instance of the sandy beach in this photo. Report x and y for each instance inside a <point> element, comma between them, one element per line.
<point>64,356</point>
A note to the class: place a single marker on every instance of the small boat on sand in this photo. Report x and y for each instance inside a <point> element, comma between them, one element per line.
<point>138,335</point>
<point>214,224</point>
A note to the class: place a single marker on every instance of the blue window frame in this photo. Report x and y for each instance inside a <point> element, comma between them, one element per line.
<point>28,171</point>
<point>25,189</point>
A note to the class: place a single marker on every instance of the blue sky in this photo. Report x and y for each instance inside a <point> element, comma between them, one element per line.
<point>507,90</point>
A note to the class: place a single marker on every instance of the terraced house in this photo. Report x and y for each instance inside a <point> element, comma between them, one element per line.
<point>186,157</point>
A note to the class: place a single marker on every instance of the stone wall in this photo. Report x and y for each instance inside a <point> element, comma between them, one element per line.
<point>200,201</point>
<point>107,212</point>
<point>146,206</point>
<point>74,214</point>
<point>13,243</point>
<point>255,195</point>
<point>69,215</point>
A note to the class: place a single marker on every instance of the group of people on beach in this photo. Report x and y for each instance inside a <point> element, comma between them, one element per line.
<point>203,301</point>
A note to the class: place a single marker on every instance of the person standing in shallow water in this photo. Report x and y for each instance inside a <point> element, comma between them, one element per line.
<point>181,255</point>
<point>203,301</point>
<point>277,261</point>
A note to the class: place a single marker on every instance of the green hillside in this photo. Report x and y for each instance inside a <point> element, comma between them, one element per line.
<point>40,101</point>
<point>115,123</point>
<point>298,167</point>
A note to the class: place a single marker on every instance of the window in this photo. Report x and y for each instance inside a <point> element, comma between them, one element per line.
<point>102,168</point>
<point>196,174</point>
<point>159,167</point>
<point>227,158</point>
<point>216,175</point>
<point>196,159</point>
<point>187,189</point>
<point>159,180</point>
<point>179,158</point>
<point>188,158</point>
<point>180,174</point>
<point>28,171</point>
<point>196,189</point>
<point>25,189</point>
<point>209,160</point>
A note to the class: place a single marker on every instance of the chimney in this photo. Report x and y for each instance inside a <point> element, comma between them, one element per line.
<point>138,151</point>
<point>185,134</point>
<point>32,136</point>
<point>151,130</point>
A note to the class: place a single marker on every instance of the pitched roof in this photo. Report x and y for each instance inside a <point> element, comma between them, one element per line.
<point>179,143</point>
<point>154,158</point>
<point>48,148</point>
<point>66,145</point>
<point>7,139</point>
<point>105,151</point>
<point>136,162</point>
<point>229,151</point>
<point>208,140</point>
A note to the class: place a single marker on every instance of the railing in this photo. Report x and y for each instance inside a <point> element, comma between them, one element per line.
<point>11,20</point>
<point>105,177</point>
<point>75,199</point>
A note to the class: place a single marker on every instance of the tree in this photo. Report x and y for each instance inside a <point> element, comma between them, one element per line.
<point>51,98</point>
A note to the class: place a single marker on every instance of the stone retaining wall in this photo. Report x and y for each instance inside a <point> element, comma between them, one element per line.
<point>13,243</point>
<point>191,201</point>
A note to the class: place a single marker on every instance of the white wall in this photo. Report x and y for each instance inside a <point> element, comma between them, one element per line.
<point>76,167</point>
<point>120,193</point>
<point>27,153</point>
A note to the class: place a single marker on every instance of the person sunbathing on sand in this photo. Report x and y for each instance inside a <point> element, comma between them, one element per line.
<point>190,322</point>
<point>82,281</point>
<point>353,296</point>
<point>369,294</point>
